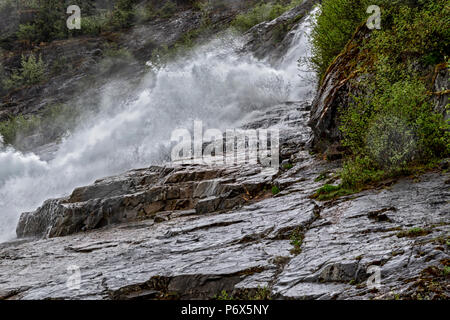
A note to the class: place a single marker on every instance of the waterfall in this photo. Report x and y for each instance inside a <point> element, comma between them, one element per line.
<point>214,84</point>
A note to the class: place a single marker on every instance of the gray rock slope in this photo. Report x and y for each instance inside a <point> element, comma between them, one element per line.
<point>188,232</point>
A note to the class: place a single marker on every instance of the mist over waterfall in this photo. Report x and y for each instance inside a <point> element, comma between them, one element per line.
<point>216,83</point>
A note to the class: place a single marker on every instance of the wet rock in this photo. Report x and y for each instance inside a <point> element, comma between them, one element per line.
<point>338,85</point>
<point>270,40</point>
<point>190,254</point>
<point>346,240</point>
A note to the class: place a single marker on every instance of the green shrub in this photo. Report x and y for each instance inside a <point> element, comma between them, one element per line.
<point>413,232</point>
<point>333,28</point>
<point>224,296</point>
<point>53,122</point>
<point>94,25</point>
<point>28,32</point>
<point>17,127</point>
<point>297,237</point>
<point>275,190</point>
<point>390,129</point>
<point>123,15</point>
<point>328,192</point>
<point>32,71</point>
<point>360,171</point>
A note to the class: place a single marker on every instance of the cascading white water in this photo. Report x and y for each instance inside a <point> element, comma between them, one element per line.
<point>214,84</point>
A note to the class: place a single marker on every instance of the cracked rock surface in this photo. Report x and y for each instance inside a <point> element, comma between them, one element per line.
<point>189,232</point>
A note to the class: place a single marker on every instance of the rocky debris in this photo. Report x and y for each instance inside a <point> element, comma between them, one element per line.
<point>288,244</point>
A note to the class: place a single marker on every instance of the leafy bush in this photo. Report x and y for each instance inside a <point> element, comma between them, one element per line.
<point>123,14</point>
<point>32,71</point>
<point>50,21</point>
<point>94,25</point>
<point>334,26</point>
<point>275,190</point>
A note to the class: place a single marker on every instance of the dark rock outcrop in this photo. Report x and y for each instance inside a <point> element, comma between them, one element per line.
<point>333,94</point>
<point>271,39</point>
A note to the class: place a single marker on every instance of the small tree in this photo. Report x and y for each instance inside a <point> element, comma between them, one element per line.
<point>32,71</point>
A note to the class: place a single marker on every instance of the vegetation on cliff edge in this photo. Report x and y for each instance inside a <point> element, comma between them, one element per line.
<point>390,127</point>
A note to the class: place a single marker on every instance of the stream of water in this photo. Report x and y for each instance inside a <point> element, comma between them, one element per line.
<point>214,84</point>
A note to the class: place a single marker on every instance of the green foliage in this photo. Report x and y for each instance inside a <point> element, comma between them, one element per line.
<point>275,190</point>
<point>263,12</point>
<point>94,25</point>
<point>50,124</point>
<point>390,129</point>
<point>297,238</point>
<point>413,232</point>
<point>260,293</point>
<point>328,192</point>
<point>415,27</point>
<point>32,71</point>
<point>224,296</point>
<point>17,127</point>
<point>390,126</point>
<point>360,171</point>
<point>327,189</point>
<point>333,28</point>
<point>50,21</point>
<point>288,166</point>
<point>263,293</point>
<point>121,19</point>
<point>446,271</point>
<point>28,32</point>
<point>49,24</point>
